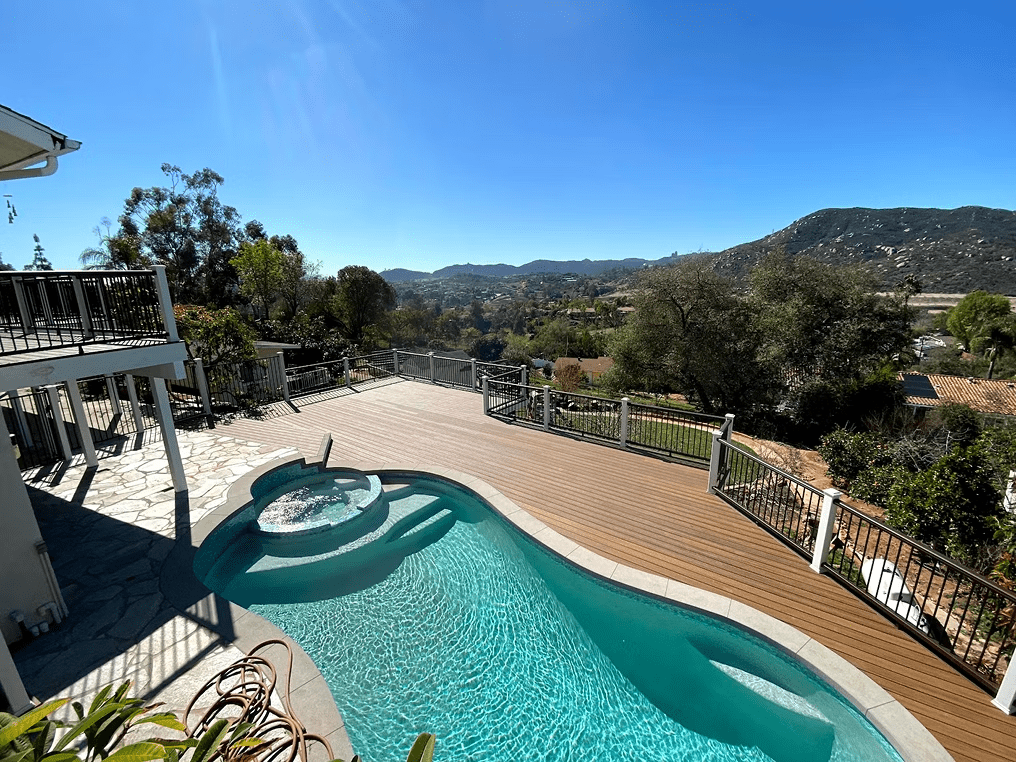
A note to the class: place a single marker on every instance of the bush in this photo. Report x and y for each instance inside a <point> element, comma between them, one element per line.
<point>952,506</point>
<point>873,484</point>
<point>846,454</point>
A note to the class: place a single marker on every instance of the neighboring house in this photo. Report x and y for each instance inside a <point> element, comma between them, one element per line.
<point>990,397</point>
<point>266,349</point>
<point>59,327</point>
<point>593,368</point>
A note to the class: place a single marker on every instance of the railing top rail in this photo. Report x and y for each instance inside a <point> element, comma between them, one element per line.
<point>72,273</point>
<point>690,413</point>
<point>297,368</point>
<point>929,551</point>
<point>784,474</point>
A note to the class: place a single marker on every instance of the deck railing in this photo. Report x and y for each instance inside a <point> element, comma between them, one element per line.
<point>952,609</point>
<point>679,434</point>
<point>44,310</point>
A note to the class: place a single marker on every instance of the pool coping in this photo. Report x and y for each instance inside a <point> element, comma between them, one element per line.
<point>908,736</point>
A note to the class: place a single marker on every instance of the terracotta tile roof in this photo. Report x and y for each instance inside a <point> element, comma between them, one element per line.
<point>930,390</point>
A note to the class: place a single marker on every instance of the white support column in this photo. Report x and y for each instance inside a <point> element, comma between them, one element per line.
<point>53,390</point>
<point>486,397</point>
<point>345,372</point>
<point>826,524</point>
<point>165,302</point>
<point>202,382</point>
<point>114,395</point>
<point>1005,699</point>
<point>430,357</point>
<point>10,682</point>
<point>623,437</point>
<point>714,461</point>
<point>132,395</point>
<point>164,414</point>
<point>548,411</point>
<point>84,430</point>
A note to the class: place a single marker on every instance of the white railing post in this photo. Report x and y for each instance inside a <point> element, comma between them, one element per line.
<point>395,361</point>
<point>548,411</point>
<point>114,394</point>
<point>345,372</point>
<point>524,374</point>
<point>53,390</point>
<point>19,295</point>
<point>19,419</point>
<point>826,525</point>
<point>430,357</point>
<point>165,302</point>
<point>84,430</point>
<point>623,434</point>
<point>714,461</point>
<point>202,382</point>
<point>79,297</point>
<point>472,370</point>
<point>486,397</point>
<point>132,395</point>
<point>1005,699</point>
<point>285,380</point>
<point>728,426</point>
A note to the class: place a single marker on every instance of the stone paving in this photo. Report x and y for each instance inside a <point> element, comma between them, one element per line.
<point>111,533</point>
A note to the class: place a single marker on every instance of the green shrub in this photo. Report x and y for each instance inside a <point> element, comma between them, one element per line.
<point>846,454</point>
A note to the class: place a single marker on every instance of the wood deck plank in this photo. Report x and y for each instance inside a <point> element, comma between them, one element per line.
<point>652,515</point>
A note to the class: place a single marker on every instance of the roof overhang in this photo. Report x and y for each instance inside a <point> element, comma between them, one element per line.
<point>24,143</point>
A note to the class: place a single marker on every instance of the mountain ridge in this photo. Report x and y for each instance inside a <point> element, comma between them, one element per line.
<point>949,250</point>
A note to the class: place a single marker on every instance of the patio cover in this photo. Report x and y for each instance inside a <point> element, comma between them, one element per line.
<point>25,143</point>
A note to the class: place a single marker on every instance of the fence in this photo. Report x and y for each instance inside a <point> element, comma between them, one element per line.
<point>678,434</point>
<point>40,310</point>
<point>47,429</point>
<point>955,611</point>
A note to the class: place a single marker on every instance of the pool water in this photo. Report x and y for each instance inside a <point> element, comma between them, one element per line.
<point>505,651</point>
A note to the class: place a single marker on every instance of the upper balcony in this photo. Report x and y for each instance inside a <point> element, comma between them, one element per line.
<point>59,325</point>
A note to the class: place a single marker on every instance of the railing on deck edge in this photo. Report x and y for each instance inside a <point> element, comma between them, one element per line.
<point>47,309</point>
<point>953,610</point>
<point>680,434</point>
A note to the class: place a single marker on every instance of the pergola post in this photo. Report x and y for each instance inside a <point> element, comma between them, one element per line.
<point>53,390</point>
<point>132,395</point>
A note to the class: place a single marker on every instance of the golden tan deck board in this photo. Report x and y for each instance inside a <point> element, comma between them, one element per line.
<point>652,515</point>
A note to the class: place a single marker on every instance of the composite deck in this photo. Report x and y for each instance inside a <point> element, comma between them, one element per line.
<point>649,514</point>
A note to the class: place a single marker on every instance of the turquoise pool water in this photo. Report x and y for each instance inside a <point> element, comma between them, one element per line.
<point>458,625</point>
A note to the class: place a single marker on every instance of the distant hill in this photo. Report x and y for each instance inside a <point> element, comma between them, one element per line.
<point>575,266</point>
<point>950,250</point>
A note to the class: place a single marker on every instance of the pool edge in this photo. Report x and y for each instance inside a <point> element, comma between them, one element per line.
<point>911,739</point>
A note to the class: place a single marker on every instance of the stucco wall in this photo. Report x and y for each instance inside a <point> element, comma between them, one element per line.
<point>23,583</point>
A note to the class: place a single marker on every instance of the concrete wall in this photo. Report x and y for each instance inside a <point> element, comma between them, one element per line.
<point>24,584</point>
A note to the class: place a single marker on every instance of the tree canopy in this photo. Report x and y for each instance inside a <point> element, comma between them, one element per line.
<point>362,299</point>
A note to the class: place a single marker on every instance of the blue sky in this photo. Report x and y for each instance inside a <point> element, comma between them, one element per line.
<point>395,133</point>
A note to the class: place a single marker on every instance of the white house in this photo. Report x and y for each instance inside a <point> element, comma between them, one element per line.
<point>57,327</point>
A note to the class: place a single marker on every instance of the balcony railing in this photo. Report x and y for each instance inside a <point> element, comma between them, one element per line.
<point>52,309</point>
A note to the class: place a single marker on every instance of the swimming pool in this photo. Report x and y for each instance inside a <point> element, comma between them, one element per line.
<point>459,625</point>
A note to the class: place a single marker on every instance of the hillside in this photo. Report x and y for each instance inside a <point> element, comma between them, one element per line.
<point>950,250</point>
<point>572,266</point>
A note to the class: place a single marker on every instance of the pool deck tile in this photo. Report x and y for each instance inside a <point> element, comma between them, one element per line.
<point>640,580</point>
<point>592,562</point>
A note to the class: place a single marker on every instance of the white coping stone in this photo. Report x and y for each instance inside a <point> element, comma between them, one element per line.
<point>640,580</point>
<point>698,598</point>
<point>591,561</point>
<point>526,522</point>
<point>864,692</point>
<point>503,505</point>
<point>768,626</point>
<point>484,490</point>
<point>912,740</point>
<point>556,541</point>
